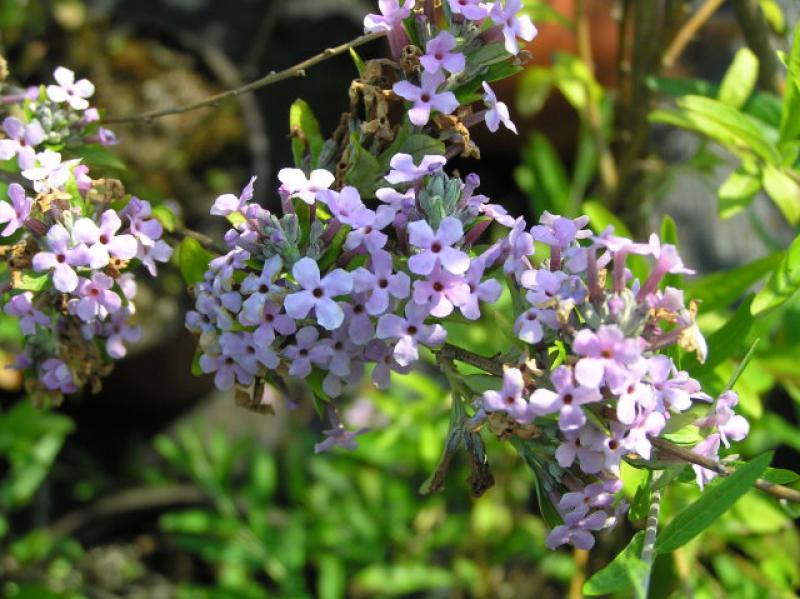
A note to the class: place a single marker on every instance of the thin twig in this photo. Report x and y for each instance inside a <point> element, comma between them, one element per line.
<point>688,31</point>
<point>651,531</point>
<point>687,455</point>
<point>593,116</point>
<point>298,70</point>
<point>452,352</point>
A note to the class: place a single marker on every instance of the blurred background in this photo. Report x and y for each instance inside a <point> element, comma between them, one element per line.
<point>160,486</point>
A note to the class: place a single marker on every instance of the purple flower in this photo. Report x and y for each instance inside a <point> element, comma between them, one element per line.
<point>228,370</point>
<point>318,294</point>
<point>442,291</point>
<point>598,495</point>
<point>339,437</point>
<point>258,288</point>
<point>381,283</point>
<point>17,212</point>
<point>439,55</point>
<point>410,331</point>
<point>474,10</point>
<point>576,529</point>
<point>346,207</point>
<point>306,351</point>
<point>486,291</point>
<point>559,232</point>
<point>385,362</point>
<point>296,184</point>
<point>118,332</point>
<point>22,141</point>
<point>103,241</point>
<point>405,171</point>
<point>672,388</point>
<point>520,245</point>
<point>633,400</point>
<point>708,448</point>
<point>400,203</point>
<point>426,97</point>
<point>61,259</point>
<point>146,229</point>
<point>57,376</point>
<point>437,247</point>
<point>635,436</point>
<point>566,400</point>
<point>509,399</point>
<point>22,307</point>
<point>227,264</point>
<point>228,203</point>
<point>528,327</point>
<point>667,261</point>
<point>359,325</point>
<point>70,91</point>
<point>587,445</point>
<point>160,252</point>
<point>513,26</point>
<point>392,15</point>
<point>273,322</point>
<point>96,298</point>
<point>250,351</point>
<point>497,112</point>
<point>370,234</point>
<point>607,353</point>
<point>50,173</point>
<point>723,418</point>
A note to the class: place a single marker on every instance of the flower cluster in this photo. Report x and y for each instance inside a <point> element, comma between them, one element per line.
<point>375,255</point>
<point>71,242</point>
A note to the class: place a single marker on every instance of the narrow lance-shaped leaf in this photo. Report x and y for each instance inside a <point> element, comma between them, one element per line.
<point>715,501</point>
<point>783,283</point>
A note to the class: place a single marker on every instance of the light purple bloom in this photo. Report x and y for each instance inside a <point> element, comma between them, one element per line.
<point>437,247</point>
<point>442,291</point>
<point>392,15</point>
<point>509,399</point>
<point>585,444</point>
<point>520,245</point>
<point>160,252</point>
<point>576,530</point>
<point>722,417</point>
<point>61,259</point>
<point>607,354</point>
<point>439,54</point>
<point>359,325</point>
<point>426,97</point>
<point>708,448</point>
<point>410,331</point>
<point>485,291</point>
<point>474,10</point>
<point>370,235</point>
<point>17,212</point>
<point>385,362</point>
<point>57,376</point>
<point>339,437</point>
<point>497,112</point>
<point>22,141</point>
<point>673,389</point>
<point>307,350</point>
<point>318,294</point>
<point>346,207</point>
<point>273,322</point>
<point>559,232</point>
<point>96,298</point>
<point>381,283</point>
<point>567,399</point>
<point>405,171</point>
<point>228,203</point>
<point>50,173</point>
<point>22,307</point>
<point>146,229</point>
<point>103,242</point>
<point>513,26</point>
<point>296,184</point>
<point>528,327</point>
<point>118,332</point>
<point>70,91</point>
<point>228,370</point>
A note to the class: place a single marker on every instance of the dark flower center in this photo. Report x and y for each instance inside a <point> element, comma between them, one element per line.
<point>411,330</point>
<point>613,444</point>
<point>568,398</point>
<point>318,292</point>
<point>94,292</point>
<point>338,346</point>
<point>358,309</point>
<point>269,317</point>
<point>251,350</point>
<point>510,399</point>
<point>425,97</point>
<point>61,258</point>
<point>438,56</point>
<point>436,247</point>
<point>303,352</point>
<point>383,283</point>
<point>438,286</point>
<point>263,288</point>
<point>606,353</point>
<point>103,239</point>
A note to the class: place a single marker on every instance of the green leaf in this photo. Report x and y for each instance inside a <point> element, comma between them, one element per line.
<point>773,14</point>
<point>305,132</point>
<point>30,281</point>
<point>98,156</point>
<point>534,89</point>
<point>358,61</point>
<point>790,114</point>
<point>364,168</point>
<point>783,283</point>
<point>784,191</point>
<point>166,217</point>
<point>740,79</point>
<point>715,501</point>
<point>737,192</point>
<point>550,173</point>
<point>669,234</point>
<point>780,476</point>
<point>193,260</point>
<point>723,288</point>
<point>616,576</point>
<point>418,145</point>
